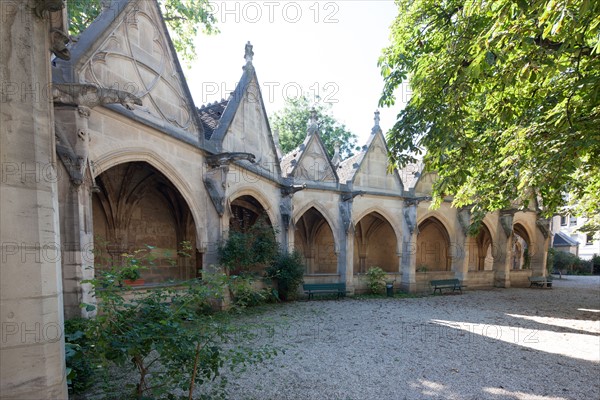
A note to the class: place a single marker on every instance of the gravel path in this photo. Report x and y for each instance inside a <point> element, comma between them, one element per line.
<point>493,344</point>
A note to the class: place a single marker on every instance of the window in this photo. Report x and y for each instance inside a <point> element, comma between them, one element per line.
<point>573,221</point>
<point>563,220</point>
<point>589,239</point>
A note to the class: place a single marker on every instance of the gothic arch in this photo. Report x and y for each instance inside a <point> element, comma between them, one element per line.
<point>134,154</point>
<point>375,244</point>
<point>393,223</point>
<point>521,257</point>
<point>134,206</point>
<point>324,212</point>
<point>433,245</point>
<point>264,202</point>
<point>314,238</point>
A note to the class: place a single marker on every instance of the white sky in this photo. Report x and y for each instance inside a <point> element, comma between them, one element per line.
<point>329,48</point>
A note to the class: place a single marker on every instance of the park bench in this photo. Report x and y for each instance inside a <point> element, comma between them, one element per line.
<point>337,288</point>
<point>540,281</point>
<point>440,284</point>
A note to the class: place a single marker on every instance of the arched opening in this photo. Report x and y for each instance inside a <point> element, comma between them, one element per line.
<point>481,254</point>
<point>314,239</point>
<point>137,208</point>
<point>375,244</point>
<point>521,258</point>
<point>245,212</point>
<point>433,243</point>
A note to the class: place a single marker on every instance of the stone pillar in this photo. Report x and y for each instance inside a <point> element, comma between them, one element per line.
<point>32,357</point>
<point>460,248</point>
<point>503,251</point>
<point>346,255</point>
<point>408,260</point>
<point>75,195</point>
<point>541,244</point>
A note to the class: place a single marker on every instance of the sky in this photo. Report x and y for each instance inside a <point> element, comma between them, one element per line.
<point>327,49</point>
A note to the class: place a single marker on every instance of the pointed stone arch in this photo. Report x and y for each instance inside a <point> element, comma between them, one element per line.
<point>260,198</point>
<point>314,239</point>
<point>384,213</point>
<point>433,245</point>
<point>141,154</point>
<point>324,212</point>
<point>483,250</point>
<point>135,206</point>
<point>521,245</point>
<point>375,244</point>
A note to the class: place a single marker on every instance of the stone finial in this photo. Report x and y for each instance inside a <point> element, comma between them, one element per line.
<point>312,123</point>
<point>336,155</point>
<point>376,127</point>
<point>248,54</point>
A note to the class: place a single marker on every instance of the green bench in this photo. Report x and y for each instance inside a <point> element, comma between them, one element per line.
<point>540,281</point>
<point>337,288</point>
<point>440,284</point>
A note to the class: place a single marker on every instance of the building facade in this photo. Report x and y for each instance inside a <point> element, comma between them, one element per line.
<point>112,154</point>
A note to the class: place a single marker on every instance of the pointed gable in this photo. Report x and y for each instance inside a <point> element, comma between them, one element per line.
<point>371,167</point>
<point>128,48</point>
<point>309,162</point>
<point>244,126</point>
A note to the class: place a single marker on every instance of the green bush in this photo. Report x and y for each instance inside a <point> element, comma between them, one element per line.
<point>251,250</point>
<point>596,264</point>
<point>376,280</point>
<point>288,271</point>
<point>568,263</point>
<point>77,351</point>
<point>161,337</point>
<point>245,295</point>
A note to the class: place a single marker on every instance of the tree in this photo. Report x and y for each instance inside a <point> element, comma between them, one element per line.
<point>506,100</point>
<point>183,17</point>
<point>292,122</point>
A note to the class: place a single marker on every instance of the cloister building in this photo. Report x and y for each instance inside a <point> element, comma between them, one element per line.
<point>136,162</point>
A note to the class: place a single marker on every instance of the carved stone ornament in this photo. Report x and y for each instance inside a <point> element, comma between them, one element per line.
<point>351,195</point>
<point>346,214</point>
<point>48,5</point>
<point>217,160</point>
<point>464,219</point>
<point>58,44</point>
<point>90,95</point>
<point>290,190</point>
<point>543,225</point>
<point>215,185</point>
<point>410,216</point>
<point>285,208</point>
<point>506,220</point>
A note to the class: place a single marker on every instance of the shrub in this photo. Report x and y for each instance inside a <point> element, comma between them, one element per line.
<point>77,350</point>
<point>251,250</point>
<point>376,280</point>
<point>162,337</point>
<point>244,293</point>
<point>596,264</point>
<point>288,271</point>
<point>568,262</point>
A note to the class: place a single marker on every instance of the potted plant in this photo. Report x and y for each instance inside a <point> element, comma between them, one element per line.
<point>130,273</point>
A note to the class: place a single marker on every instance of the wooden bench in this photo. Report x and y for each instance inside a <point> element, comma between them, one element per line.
<point>337,288</point>
<point>540,281</point>
<point>440,284</point>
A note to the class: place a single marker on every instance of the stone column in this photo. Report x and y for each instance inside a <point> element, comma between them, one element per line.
<point>408,260</point>
<point>541,244</point>
<point>460,247</point>
<point>32,357</point>
<point>346,254</point>
<point>503,251</point>
<point>75,195</point>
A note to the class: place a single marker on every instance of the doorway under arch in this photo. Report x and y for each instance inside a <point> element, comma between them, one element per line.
<point>433,244</point>
<point>314,239</point>
<point>375,244</point>
<point>135,208</point>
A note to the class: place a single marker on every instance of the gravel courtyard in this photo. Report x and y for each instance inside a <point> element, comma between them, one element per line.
<point>495,344</point>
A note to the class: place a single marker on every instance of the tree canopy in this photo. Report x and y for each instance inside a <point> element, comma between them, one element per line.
<point>506,100</point>
<point>292,122</point>
<point>183,18</point>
